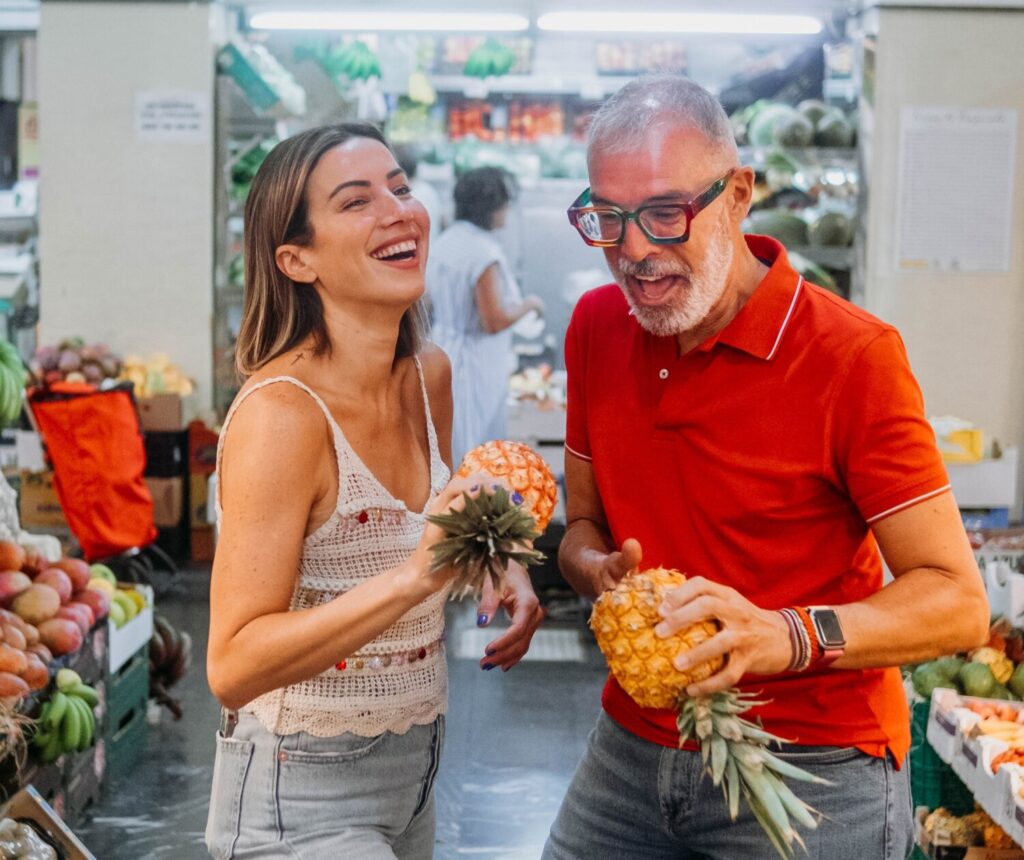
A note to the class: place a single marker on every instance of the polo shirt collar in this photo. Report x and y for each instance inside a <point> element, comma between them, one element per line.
<point>760,325</point>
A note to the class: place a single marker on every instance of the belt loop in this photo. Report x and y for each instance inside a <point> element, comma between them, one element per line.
<point>228,721</point>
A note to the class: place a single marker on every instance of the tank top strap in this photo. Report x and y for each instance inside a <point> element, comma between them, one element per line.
<point>339,443</point>
<point>438,469</point>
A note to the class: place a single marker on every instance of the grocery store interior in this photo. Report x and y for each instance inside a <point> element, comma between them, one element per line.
<point>886,139</point>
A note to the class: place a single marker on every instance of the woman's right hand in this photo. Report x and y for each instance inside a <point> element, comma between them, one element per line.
<point>451,498</point>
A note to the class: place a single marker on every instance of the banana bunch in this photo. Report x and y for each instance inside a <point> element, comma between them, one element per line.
<point>12,382</point>
<point>355,62</point>
<point>125,604</point>
<point>66,723</point>
<point>1003,730</point>
<point>170,652</point>
<point>490,58</point>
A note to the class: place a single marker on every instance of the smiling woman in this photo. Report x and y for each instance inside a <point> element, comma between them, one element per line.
<point>326,619</point>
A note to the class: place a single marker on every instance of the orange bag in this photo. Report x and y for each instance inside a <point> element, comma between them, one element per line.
<point>94,444</point>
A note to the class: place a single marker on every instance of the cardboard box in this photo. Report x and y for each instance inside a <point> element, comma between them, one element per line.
<point>28,803</point>
<point>161,412</point>
<point>123,642</point>
<point>38,504</point>
<point>168,500</point>
<point>198,499</point>
<point>203,545</point>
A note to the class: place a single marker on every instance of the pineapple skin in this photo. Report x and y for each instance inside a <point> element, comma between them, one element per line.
<point>623,623</point>
<point>525,471</point>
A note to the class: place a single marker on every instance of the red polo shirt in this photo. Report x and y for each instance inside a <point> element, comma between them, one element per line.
<point>759,460</point>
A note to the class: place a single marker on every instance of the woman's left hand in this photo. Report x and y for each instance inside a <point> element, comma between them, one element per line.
<point>522,606</point>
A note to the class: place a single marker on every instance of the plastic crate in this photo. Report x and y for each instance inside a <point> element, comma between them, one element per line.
<point>125,741</point>
<point>125,689</point>
<point>933,782</point>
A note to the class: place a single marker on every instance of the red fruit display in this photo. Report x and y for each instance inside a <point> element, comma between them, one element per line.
<point>14,637</point>
<point>12,660</point>
<point>75,568</point>
<point>85,608</point>
<point>36,674</point>
<point>97,601</point>
<point>58,580</point>
<point>79,613</point>
<point>12,556</point>
<point>37,603</point>
<point>60,636</point>
<point>12,583</point>
<point>12,687</point>
<point>34,564</point>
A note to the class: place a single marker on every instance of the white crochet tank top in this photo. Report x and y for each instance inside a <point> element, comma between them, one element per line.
<point>400,679</point>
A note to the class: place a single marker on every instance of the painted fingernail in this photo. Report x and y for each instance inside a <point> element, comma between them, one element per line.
<point>474,488</point>
<point>482,619</point>
<point>490,652</point>
<point>517,499</point>
<point>488,666</point>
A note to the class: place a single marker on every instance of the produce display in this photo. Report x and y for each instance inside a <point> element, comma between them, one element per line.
<point>155,375</point>
<point>496,527</point>
<point>73,360</point>
<point>995,671</point>
<point>735,749</point>
<point>12,383</point>
<point>810,123</point>
<point>975,829</point>
<point>489,59</point>
<point>67,722</point>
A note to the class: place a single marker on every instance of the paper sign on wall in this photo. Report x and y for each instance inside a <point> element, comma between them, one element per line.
<point>172,116</point>
<point>955,195</point>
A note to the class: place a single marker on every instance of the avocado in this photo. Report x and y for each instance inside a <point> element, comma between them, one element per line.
<point>977,680</point>
<point>833,229</point>
<point>927,677</point>
<point>1016,682</point>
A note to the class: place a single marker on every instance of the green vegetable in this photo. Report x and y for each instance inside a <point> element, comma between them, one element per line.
<point>833,229</point>
<point>977,680</point>
<point>789,229</point>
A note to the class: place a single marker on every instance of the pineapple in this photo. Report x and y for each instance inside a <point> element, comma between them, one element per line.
<point>734,749</point>
<point>495,528</point>
<point>525,471</point>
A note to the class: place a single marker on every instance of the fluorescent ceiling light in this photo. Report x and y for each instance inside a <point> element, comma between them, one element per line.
<point>365,21</point>
<point>678,22</point>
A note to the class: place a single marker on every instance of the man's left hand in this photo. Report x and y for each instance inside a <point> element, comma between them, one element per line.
<point>755,641</point>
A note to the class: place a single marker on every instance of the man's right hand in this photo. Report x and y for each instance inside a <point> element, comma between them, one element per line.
<point>616,565</point>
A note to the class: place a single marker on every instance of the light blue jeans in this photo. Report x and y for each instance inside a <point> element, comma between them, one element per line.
<point>635,800</point>
<point>324,798</point>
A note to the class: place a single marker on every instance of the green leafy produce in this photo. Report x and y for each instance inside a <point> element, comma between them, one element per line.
<point>833,129</point>
<point>813,109</point>
<point>789,229</point>
<point>832,229</point>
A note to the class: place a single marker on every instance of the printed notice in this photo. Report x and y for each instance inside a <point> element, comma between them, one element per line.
<point>172,116</point>
<point>955,193</point>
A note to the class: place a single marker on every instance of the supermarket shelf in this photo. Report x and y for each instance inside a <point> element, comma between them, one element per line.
<point>803,154</point>
<point>588,87</point>
<point>831,257</point>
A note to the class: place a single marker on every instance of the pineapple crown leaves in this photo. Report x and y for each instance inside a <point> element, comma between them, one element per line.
<point>482,538</point>
<point>735,752</point>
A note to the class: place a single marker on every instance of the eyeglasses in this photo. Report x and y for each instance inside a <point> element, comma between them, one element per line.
<point>661,223</point>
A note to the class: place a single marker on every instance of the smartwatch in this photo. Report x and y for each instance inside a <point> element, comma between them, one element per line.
<point>829,632</point>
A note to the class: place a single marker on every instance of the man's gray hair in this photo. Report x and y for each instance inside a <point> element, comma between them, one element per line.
<point>626,118</point>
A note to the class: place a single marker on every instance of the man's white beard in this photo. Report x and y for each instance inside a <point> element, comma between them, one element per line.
<point>690,307</point>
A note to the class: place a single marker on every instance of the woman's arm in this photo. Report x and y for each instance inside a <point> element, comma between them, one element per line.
<point>494,316</point>
<point>276,451</point>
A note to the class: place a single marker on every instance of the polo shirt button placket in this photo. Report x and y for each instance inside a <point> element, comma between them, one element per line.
<point>663,373</point>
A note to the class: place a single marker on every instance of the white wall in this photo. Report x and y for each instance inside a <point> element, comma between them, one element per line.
<point>964,332</point>
<point>126,238</point>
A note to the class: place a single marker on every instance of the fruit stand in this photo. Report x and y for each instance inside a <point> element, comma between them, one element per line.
<point>967,753</point>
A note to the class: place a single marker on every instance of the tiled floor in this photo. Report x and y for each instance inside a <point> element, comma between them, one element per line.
<point>513,740</point>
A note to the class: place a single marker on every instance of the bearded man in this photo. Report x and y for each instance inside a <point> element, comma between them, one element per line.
<point>731,420</point>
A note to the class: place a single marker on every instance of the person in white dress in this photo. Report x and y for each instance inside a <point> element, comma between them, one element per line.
<point>475,301</point>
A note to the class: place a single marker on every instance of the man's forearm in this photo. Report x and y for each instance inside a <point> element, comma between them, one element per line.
<point>581,555</point>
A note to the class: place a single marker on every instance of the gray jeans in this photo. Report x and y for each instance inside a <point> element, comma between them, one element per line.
<point>634,800</point>
<point>324,798</point>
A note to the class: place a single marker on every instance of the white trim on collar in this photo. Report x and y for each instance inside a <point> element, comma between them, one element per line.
<point>785,322</point>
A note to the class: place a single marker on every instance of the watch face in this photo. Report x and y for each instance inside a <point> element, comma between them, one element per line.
<point>829,629</point>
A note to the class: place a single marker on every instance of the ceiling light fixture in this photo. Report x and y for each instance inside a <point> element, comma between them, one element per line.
<point>367,21</point>
<point>678,22</point>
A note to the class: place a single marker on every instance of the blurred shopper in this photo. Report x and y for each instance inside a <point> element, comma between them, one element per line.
<point>326,621</point>
<point>475,301</point>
